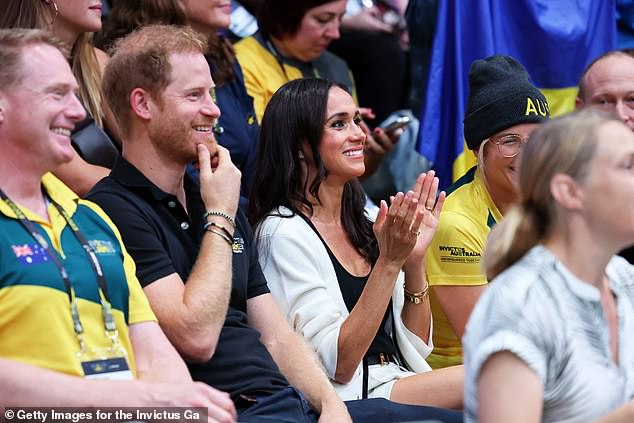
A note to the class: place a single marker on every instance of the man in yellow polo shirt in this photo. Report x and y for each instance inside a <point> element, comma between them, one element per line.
<point>76,328</point>
<point>502,110</point>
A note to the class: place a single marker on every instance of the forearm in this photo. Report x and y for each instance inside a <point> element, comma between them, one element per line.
<point>296,360</point>
<point>360,327</point>
<point>457,302</point>
<point>156,359</point>
<point>624,413</point>
<point>417,317</point>
<point>207,291</point>
<point>29,386</point>
<point>23,385</point>
<point>194,325</point>
<point>166,368</point>
<point>302,369</point>
<point>209,284</point>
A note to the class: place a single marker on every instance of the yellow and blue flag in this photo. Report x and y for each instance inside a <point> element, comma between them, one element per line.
<point>554,40</point>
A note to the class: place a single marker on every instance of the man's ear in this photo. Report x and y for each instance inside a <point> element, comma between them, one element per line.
<point>141,103</point>
<point>567,192</point>
<point>579,103</point>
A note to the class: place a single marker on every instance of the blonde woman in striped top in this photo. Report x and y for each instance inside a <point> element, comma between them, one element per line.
<point>551,338</point>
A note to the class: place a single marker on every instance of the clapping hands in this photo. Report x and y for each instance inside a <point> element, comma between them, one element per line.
<point>405,229</point>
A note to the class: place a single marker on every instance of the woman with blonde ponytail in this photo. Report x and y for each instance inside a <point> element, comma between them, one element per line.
<point>513,238</point>
<point>554,328</point>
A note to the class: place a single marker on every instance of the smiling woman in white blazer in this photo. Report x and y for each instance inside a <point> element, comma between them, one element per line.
<point>354,288</point>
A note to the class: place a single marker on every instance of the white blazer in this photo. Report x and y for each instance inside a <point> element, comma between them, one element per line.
<point>303,281</point>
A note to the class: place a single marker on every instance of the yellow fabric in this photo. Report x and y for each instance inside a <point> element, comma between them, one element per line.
<point>465,161</point>
<point>35,321</point>
<point>263,74</point>
<point>454,255</point>
<point>560,101</point>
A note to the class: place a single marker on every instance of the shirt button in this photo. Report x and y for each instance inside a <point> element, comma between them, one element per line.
<point>184,225</point>
<point>171,204</point>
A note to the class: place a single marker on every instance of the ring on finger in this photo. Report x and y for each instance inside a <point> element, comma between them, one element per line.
<point>429,208</point>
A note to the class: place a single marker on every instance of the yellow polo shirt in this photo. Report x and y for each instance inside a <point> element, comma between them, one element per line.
<point>454,256</point>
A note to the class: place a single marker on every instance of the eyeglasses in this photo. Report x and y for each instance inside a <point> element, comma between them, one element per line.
<point>509,145</point>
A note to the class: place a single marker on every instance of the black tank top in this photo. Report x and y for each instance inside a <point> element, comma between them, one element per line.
<point>351,288</point>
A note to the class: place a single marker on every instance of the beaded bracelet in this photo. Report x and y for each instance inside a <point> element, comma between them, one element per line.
<point>220,214</point>
<point>221,235</point>
<point>416,297</point>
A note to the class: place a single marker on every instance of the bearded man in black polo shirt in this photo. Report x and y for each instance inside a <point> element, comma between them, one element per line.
<point>193,249</point>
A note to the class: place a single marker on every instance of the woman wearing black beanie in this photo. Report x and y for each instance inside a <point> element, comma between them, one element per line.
<point>503,109</point>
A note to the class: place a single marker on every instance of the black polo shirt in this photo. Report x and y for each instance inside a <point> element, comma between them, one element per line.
<point>164,239</point>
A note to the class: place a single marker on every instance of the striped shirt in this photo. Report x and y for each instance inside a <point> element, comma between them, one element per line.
<point>555,323</point>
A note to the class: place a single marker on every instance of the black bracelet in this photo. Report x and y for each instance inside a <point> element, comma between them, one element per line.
<point>220,214</point>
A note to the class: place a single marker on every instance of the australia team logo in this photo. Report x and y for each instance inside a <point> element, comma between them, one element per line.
<point>102,247</point>
<point>30,253</point>
<point>238,245</point>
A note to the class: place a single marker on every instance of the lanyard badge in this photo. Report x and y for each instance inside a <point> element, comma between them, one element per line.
<point>101,363</point>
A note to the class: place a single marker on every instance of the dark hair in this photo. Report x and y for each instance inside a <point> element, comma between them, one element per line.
<point>295,116</point>
<point>129,15</point>
<point>278,18</point>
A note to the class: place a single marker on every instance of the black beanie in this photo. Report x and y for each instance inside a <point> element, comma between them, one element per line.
<point>500,96</point>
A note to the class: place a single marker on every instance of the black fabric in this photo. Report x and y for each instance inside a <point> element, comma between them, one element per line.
<point>381,359</point>
<point>351,288</point>
<point>239,133</point>
<point>380,410</point>
<point>164,239</point>
<point>93,144</point>
<point>380,69</point>
<point>286,406</point>
<point>628,254</point>
<point>500,96</point>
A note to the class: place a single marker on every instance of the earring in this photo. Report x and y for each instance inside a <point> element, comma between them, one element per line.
<point>301,155</point>
<point>55,8</point>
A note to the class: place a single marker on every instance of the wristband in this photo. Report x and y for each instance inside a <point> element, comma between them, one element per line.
<point>220,214</point>
<point>416,297</point>
<point>221,235</point>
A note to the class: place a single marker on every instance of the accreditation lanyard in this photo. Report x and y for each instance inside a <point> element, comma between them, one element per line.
<point>108,319</point>
<point>280,61</point>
